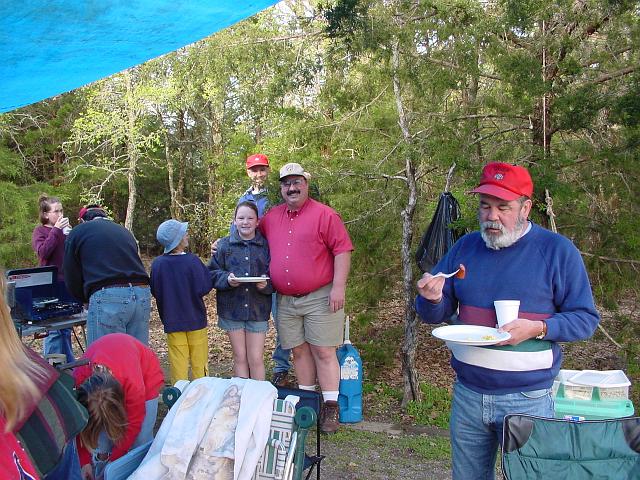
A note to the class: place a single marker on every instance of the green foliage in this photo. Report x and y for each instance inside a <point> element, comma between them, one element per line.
<point>433,409</point>
<point>378,354</point>
<point>18,218</point>
<point>13,168</point>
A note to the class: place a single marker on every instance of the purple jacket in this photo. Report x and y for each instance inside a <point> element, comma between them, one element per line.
<point>48,243</point>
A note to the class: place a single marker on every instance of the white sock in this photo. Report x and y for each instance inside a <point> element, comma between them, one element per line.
<point>310,388</point>
<point>332,395</point>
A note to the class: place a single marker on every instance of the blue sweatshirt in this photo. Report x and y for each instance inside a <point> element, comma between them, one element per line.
<point>178,283</point>
<point>546,273</point>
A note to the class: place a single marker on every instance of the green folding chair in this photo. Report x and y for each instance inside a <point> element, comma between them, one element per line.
<point>544,448</point>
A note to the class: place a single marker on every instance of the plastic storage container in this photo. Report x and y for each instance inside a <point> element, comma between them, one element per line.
<point>603,395</point>
<point>608,384</point>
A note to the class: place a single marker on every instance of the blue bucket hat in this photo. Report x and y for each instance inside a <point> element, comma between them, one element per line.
<point>170,233</point>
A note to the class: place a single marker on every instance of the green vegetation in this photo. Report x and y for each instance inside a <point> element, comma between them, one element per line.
<point>433,409</point>
<point>378,352</point>
<point>398,449</point>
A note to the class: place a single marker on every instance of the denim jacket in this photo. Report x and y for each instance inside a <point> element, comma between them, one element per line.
<point>245,258</point>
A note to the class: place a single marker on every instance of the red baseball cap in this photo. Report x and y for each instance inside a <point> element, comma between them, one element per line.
<point>257,159</point>
<point>505,181</point>
<point>84,210</point>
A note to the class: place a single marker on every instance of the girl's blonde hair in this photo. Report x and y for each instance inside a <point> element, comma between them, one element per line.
<point>103,397</point>
<point>17,389</point>
<point>44,206</point>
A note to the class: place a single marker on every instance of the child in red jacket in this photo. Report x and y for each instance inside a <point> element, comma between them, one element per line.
<point>120,388</point>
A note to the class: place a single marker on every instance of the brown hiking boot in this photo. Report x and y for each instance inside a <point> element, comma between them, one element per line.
<point>280,379</point>
<point>330,417</point>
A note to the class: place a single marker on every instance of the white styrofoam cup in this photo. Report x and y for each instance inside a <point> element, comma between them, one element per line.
<point>506,311</point>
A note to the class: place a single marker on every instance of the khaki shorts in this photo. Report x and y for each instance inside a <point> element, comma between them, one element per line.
<point>308,319</point>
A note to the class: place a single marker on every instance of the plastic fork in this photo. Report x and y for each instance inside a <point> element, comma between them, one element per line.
<point>459,273</point>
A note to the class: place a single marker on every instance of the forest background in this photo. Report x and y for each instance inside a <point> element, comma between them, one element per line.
<point>378,100</point>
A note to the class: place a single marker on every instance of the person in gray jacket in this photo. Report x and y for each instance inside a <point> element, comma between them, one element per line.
<point>243,300</point>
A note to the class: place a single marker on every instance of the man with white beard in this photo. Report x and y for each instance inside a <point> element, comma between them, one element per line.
<point>510,258</point>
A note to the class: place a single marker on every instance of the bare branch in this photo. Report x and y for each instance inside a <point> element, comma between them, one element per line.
<point>499,132</point>
<point>605,77</point>
<point>442,63</point>
<point>611,259</point>
<point>371,213</point>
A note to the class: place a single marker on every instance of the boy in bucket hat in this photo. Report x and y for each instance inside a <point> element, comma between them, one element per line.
<point>509,258</point>
<point>179,280</point>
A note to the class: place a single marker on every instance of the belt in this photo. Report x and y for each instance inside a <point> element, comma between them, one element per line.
<point>124,284</point>
<point>300,295</point>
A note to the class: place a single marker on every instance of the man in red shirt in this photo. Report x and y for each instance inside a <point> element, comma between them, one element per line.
<point>310,261</point>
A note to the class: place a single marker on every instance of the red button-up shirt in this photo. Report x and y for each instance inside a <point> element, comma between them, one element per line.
<point>303,244</point>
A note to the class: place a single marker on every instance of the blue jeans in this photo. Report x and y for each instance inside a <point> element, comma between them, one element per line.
<point>105,445</point>
<point>59,341</point>
<point>119,310</point>
<point>69,466</point>
<point>476,427</point>
<point>280,355</point>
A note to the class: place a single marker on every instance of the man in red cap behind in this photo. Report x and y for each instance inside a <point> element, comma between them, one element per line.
<point>510,258</point>
<point>258,171</point>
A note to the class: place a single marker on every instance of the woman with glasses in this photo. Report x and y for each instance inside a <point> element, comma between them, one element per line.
<point>48,244</point>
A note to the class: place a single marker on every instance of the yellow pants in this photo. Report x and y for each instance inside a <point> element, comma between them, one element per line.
<point>188,347</point>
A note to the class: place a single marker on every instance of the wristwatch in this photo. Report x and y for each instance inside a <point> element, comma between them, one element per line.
<point>543,332</point>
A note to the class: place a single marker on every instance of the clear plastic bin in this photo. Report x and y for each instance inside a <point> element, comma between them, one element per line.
<point>608,384</point>
<point>577,392</point>
<point>595,395</point>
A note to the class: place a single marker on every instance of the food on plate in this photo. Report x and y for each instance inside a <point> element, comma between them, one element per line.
<point>461,272</point>
<point>489,337</point>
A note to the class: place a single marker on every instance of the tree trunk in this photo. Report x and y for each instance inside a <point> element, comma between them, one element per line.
<point>409,373</point>
<point>181,166</point>
<point>173,206</point>
<point>472,109</point>
<point>132,152</point>
<point>217,151</point>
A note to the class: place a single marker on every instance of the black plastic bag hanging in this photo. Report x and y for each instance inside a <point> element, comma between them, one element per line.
<point>439,237</point>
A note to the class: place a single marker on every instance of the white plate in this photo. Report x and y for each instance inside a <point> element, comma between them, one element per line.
<point>251,279</point>
<point>470,334</point>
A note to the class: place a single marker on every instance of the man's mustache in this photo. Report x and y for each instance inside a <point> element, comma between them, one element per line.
<point>493,225</point>
<point>293,192</point>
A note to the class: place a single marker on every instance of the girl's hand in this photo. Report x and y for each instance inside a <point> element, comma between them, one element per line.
<point>61,223</point>
<point>232,280</point>
<point>87,472</point>
<point>214,247</point>
<point>261,285</point>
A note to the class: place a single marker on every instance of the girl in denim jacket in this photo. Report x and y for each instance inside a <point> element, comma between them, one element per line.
<point>243,304</point>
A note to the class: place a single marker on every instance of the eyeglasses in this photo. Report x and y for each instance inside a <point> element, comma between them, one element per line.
<point>287,183</point>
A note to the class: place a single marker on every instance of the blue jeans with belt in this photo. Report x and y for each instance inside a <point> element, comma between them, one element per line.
<point>119,309</point>
<point>476,426</point>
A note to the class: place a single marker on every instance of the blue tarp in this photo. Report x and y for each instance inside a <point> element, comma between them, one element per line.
<point>53,46</point>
